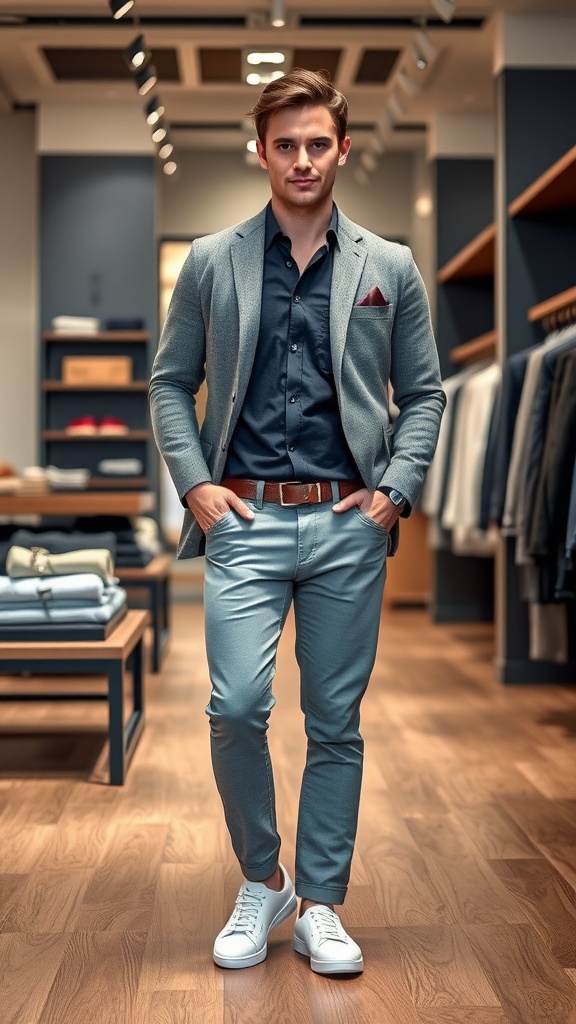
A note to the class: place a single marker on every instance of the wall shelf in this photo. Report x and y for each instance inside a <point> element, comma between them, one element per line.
<point>483,347</point>
<point>553,190</point>
<point>113,483</point>
<point>475,260</point>
<point>553,305</point>
<point>129,336</point>
<point>62,435</point>
<point>78,503</point>
<point>56,385</point>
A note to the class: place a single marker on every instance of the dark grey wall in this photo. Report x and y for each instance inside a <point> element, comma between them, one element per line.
<point>97,243</point>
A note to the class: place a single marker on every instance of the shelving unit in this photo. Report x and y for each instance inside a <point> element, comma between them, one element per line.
<point>62,402</point>
<point>475,261</point>
<point>483,347</point>
<point>552,191</point>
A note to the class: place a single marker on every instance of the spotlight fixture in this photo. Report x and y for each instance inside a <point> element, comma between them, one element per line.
<point>384,126</point>
<point>120,7</point>
<point>160,132</point>
<point>368,161</point>
<point>136,55</point>
<point>395,108</point>
<point>265,58</point>
<point>251,146</point>
<point>170,166</point>
<point>445,8</point>
<point>146,79</point>
<point>423,50</point>
<point>166,150</point>
<point>408,84</point>
<point>255,79</point>
<point>278,14</point>
<point>154,110</point>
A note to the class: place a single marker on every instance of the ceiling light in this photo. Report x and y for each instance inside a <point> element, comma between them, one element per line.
<point>445,8</point>
<point>423,50</point>
<point>368,161</point>
<point>166,149</point>
<point>278,14</point>
<point>120,7</point>
<point>384,126</point>
<point>146,79</point>
<point>423,206</point>
<point>170,167</point>
<point>410,87</point>
<point>251,146</point>
<point>263,79</point>
<point>159,134</point>
<point>395,107</point>
<point>136,55</point>
<point>266,58</point>
<point>154,110</point>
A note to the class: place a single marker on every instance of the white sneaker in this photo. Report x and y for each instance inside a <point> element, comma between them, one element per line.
<point>319,934</point>
<point>243,940</point>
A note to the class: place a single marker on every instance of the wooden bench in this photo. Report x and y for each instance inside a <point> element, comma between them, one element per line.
<point>155,577</point>
<point>108,657</point>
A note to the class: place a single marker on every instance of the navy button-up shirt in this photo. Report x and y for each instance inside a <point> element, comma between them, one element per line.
<point>289,427</point>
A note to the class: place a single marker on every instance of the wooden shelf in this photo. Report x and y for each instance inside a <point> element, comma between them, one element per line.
<point>81,503</point>
<point>553,190</point>
<point>57,385</point>
<point>114,482</point>
<point>482,347</point>
<point>130,336</point>
<point>477,259</point>
<point>62,435</point>
<point>553,305</point>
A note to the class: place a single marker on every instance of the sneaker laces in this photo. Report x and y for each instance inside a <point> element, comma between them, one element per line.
<point>246,910</point>
<point>328,924</point>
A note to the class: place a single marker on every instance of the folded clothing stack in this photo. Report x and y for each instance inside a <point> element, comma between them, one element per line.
<point>55,541</point>
<point>136,542</point>
<point>34,480</point>
<point>76,325</point>
<point>77,597</point>
<point>121,467</point>
<point>125,323</point>
<point>67,479</point>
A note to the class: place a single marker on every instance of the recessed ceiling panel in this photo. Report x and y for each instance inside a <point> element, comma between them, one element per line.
<point>220,65</point>
<point>376,66</point>
<point>316,60</point>
<point>79,64</point>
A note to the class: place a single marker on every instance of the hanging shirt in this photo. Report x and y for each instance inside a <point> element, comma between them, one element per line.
<point>290,427</point>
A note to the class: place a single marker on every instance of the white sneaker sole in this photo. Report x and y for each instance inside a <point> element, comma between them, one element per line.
<point>329,966</point>
<point>237,962</point>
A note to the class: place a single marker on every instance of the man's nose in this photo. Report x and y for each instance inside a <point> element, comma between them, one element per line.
<point>302,159</point>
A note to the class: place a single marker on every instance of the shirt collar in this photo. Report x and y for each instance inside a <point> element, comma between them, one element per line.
<point>273,231</point>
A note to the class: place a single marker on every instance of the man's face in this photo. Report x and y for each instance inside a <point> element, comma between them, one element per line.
<point>301,156</point>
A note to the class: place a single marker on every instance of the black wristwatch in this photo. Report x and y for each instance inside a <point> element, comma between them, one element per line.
<point>396,497</point>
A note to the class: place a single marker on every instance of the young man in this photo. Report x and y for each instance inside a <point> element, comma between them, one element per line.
<point>298,319</point>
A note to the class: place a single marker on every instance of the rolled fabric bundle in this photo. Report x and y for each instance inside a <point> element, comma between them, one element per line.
<point>37,561</point>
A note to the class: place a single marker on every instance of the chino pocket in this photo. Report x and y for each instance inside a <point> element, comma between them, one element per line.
<point>370,522</point>
<point>211,529</point>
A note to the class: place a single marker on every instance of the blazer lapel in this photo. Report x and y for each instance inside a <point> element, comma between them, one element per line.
<point>349,262</point>
<point>247,253</point>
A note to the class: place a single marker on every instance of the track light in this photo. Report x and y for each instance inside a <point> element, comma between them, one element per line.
<point>445,8</point>
<point>170,166</point>
<point>160,132</point>
<point>120,7</point>
<point>396,109</point>
<point>423,50</point>
<point>408,84</point>
<point>136,55</point>
<point>278,14</point>
<point>166,150</point>
<point>154,110</point>
<point>146,79</point>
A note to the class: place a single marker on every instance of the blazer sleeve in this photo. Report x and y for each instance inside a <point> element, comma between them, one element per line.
<point>177,373</point>
<point>418,392</point>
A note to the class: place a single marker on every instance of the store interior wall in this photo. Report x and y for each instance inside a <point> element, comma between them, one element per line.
<point>19,289</point>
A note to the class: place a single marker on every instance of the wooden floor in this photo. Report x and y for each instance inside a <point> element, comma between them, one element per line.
<point>463,886</point>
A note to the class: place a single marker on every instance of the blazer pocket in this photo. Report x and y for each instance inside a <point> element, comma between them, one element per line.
<point>372,312</point>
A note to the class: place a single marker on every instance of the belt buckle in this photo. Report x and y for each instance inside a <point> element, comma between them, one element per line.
<point>292,504</point>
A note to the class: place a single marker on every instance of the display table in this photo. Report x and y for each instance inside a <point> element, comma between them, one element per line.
<point>78,503</point>
<point>110,657</point>
<point>155,578</point>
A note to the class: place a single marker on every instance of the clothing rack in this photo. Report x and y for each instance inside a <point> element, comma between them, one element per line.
<point>555,312</point>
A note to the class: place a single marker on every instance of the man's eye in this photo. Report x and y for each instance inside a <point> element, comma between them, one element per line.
<point>284,146</point>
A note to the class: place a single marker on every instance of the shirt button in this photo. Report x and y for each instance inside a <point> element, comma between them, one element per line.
<point>292,400</point>
<point>293,348</point>
<point>291,448</point>
<point>296,298</point>
<point>288,263</point>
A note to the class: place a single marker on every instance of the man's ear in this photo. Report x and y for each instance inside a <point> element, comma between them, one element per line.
<point>261,154</point>
<point>344,149</point>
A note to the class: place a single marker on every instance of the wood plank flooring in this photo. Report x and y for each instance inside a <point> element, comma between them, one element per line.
<point>463,889</point>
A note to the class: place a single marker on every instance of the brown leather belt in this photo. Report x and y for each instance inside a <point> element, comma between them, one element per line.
<point>293,492</point>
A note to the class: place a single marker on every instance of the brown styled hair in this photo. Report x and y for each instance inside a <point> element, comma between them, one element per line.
<point>300,88</point>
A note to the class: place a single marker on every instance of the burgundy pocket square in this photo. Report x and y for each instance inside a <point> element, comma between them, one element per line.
<point>373,298</point>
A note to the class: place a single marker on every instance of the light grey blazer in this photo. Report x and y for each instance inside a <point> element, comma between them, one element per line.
<point>211,331</point>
